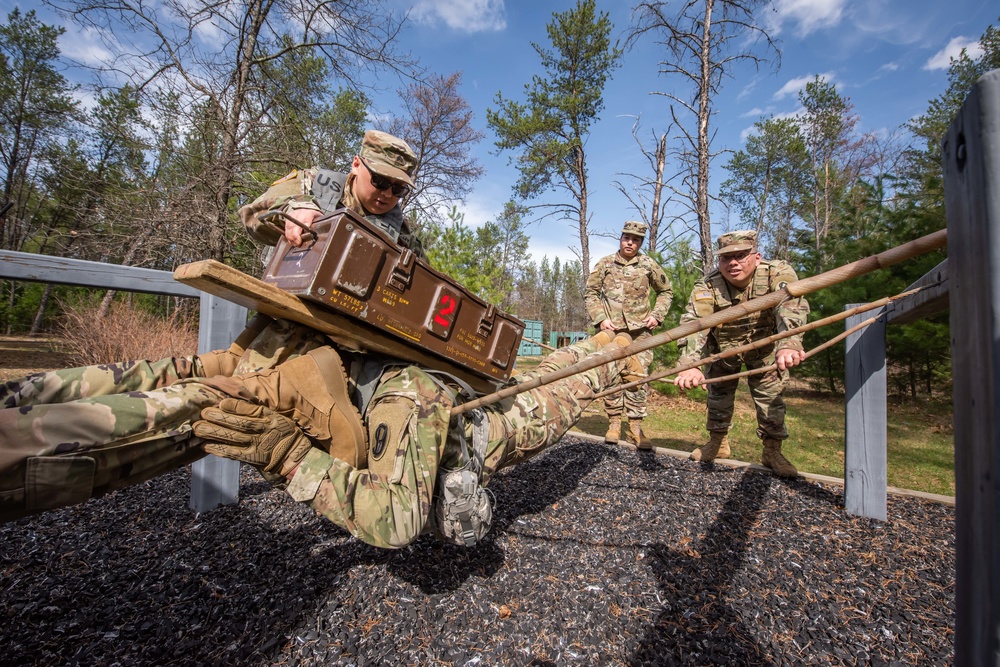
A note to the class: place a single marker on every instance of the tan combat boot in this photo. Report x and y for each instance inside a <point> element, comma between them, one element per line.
<point>602,338</point>
<point>632,370</point>
<point>636,437</point>
<point>614,433</point>
<point>717,447</point>
<point>311,390</point>
<point>772,458</point>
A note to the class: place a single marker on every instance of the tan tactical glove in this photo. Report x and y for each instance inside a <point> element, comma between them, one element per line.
<point>252,433</point>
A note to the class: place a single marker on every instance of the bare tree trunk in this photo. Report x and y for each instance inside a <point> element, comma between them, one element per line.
<point>581,170</point>
<point>36,324</point>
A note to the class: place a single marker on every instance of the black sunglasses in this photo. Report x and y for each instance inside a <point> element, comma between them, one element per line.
<point>738,256</point>
<point>380,182</point>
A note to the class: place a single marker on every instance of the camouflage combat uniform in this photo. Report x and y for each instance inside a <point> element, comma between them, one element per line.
<point>619,290</point>
<point>79,433</point>
<point>86,440</point>
<point>713,293</point>
<point>322,190</point>
<point>389,503</point>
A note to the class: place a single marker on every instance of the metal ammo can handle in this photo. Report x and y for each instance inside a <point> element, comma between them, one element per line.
<point>267,217</point>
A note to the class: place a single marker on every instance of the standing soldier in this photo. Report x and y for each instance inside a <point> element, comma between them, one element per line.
<point>742,275</point>
<point>617,298</point>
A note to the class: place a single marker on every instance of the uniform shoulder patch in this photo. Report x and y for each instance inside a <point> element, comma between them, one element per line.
<point>702,296</point>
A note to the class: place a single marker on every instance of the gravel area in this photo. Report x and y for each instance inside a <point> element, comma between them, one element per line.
<point>599,556</point>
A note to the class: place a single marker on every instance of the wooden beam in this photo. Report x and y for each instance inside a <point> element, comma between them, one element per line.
<point>933,298</point>
<point>971,157</point>
<point>353,334</point>
<point>48,269</point>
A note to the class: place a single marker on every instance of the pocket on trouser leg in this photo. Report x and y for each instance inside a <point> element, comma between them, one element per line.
<point>388,429</point>
<point>57,481</point>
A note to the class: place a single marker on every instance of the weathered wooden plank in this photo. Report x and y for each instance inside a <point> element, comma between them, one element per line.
<point>971,157</point>
<point>47,269</point>
<point>215,481</point>
<point>226,282</point>
<point>931,300</point>
<point>865,462</point>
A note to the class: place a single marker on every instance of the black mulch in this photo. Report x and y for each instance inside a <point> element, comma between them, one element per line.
<point>599,556</point>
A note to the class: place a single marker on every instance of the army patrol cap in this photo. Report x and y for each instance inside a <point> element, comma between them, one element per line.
<point>745,239</point>
<point>388,156</point>
<point>635,228</point>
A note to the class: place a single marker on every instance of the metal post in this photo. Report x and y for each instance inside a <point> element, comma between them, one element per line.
<point>864,418</point>
<point>971,157</point>
<point>216,481</point>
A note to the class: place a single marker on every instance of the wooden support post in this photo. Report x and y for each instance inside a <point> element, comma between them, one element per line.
<point>216,481</point>
<point>971,157</point>
<point>865,465</point>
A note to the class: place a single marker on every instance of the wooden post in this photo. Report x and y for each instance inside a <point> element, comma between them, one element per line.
<point>971,157</point>
<point>215,481</point>
<point>864,419</point>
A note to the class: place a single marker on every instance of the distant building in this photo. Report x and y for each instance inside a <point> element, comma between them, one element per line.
<point>559,339</point>
<point>532,332</point>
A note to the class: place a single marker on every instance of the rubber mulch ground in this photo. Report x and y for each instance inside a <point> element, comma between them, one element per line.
<point>599,556</point>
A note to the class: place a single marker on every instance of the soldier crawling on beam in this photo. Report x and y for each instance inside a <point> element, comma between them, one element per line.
<point>367,441</point>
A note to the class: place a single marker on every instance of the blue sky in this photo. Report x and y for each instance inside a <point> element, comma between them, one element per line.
<point>889,57</point>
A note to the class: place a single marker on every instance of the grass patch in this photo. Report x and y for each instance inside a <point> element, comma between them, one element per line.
<point>921,449</point>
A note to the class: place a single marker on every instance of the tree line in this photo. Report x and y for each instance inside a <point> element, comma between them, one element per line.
<point>178,134</point>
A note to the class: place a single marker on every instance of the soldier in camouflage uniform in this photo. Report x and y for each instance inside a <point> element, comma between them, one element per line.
<point>406,468</point>
<point>96,404</point>
<point>415,449</point>
<point>617,300</point>
<point>743,275</point>
<point>380,175</point>
<point>379,179</point>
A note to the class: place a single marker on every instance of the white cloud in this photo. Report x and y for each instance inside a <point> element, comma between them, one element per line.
<point>753,113</point>
<point>85,46</point>
<point>478,211</point>
<point>463,15</point>
<point>793,86</point>
<point>942,59</point>
<point>889,67</point>
<point>746,132</point>
<point>805,16</point>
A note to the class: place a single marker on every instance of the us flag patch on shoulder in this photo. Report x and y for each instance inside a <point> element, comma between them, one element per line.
<point>701,296</point>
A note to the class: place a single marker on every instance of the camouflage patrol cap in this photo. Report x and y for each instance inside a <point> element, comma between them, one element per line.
<point>744,239</point>
<point>388,156</point>
<point>635,228</point>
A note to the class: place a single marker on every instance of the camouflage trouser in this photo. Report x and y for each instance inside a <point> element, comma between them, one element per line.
<point>58,454</point>
<point>412,436</point>
<point>527,423</point>
<point>69,435</point>
<point>633,401</point>
<point>765,389</point>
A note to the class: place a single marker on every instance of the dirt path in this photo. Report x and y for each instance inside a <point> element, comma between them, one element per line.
<point>20,355</point>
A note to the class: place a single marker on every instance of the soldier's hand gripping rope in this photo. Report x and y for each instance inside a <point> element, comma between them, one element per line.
<point>763,342</point>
